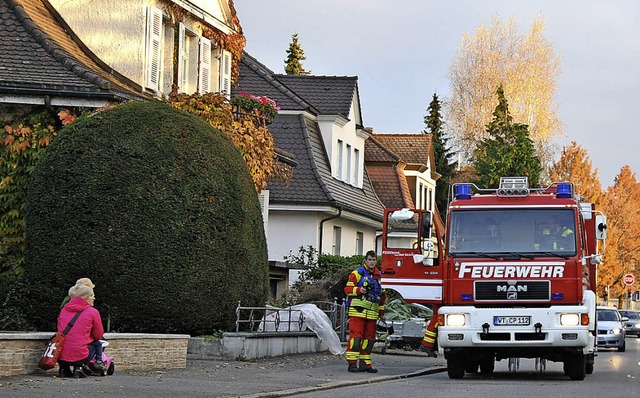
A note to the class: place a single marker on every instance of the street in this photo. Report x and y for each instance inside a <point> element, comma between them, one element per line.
<point>616,374</point>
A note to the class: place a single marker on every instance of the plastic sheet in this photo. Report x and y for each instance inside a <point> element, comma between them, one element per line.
<point>313,318</point>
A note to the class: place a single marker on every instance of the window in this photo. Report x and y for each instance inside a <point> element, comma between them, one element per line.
<point>153,48</point>
<point>359,243</point>
<point>204,75</point>
<point>337,238</point>
<point>348,176</point>
<point>339,168</point>
<point>430,203</point>
<point>187,60</point>
<point>356,167</point>
<point>419,199</point>
<point>225,73</point>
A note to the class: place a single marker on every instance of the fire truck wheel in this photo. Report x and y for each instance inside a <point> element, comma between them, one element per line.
<point>471,367</point>
<point>576,368</point>
<point>455,368</point>
<point>487,366</point>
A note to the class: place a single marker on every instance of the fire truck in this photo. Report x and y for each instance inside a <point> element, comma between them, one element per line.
<point>513,274</point>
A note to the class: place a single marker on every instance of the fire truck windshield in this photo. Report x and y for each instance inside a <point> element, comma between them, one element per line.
<point>512,232</point>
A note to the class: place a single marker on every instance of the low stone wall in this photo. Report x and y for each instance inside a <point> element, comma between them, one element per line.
<point>20,352</point>
<point>255,345</point>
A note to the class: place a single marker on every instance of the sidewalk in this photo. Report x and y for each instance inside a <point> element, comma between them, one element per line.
<point>267,377</point>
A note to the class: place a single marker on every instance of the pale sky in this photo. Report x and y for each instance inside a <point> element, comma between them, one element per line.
<point>401,52</point>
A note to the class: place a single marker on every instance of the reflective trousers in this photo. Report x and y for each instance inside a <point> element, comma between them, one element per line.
<point>362,336</point>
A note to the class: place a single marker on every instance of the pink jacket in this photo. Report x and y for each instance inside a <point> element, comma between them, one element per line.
<point>88,328</point>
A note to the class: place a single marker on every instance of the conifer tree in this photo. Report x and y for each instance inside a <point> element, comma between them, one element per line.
<point>293,64</point>
<point>507,150</point>
<point>441,153</point>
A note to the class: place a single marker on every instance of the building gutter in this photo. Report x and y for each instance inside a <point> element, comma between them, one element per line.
<point>322,226</point>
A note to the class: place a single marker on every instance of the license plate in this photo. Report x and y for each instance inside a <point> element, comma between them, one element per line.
<point>511,320</point>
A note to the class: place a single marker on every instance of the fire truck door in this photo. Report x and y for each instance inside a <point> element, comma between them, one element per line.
<point>411,251</point>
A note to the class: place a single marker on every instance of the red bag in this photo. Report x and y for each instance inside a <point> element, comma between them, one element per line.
<point>52,353</point>
<point>50,357</point>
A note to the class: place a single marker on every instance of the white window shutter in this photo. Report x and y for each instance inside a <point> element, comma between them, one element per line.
<point>183,58</point>
<point>204,76</point>
<point>225,73</point>
<point>154,47</point>
<point>263,197</point>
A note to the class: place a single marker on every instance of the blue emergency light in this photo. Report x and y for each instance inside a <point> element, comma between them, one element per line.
<point>564,190</point>
<point>463,191</point>
<point>557,296</point>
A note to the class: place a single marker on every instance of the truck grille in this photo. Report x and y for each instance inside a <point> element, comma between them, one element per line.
<point>512,291</point>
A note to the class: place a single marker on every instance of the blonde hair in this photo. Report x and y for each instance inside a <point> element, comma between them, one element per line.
<point>82,291</point>
<point>86,282</point>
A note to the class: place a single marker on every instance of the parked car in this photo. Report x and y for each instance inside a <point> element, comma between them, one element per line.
<point>631,326</point>
<point>610,329</point>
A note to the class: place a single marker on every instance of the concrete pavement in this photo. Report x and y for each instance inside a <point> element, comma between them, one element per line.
<point>266,377</point>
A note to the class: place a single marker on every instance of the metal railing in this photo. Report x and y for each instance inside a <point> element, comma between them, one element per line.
<point>274,319</point>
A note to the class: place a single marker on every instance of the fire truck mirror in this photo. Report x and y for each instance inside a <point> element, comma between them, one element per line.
<point>601,227</point>
<point>402,215</point>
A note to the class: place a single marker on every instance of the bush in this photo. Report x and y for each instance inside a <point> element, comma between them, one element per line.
<point>326,277</point>
<point>158,209</point>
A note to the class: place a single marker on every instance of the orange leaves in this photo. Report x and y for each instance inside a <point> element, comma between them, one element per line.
<point>66,117</point>
<point>250,136</point>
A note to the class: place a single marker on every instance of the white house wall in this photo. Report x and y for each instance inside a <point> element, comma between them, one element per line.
<point>113,30</point>
<point>348,235</point>
<point>424,178</point>
<point>332,130</point>
<point>288,230</point>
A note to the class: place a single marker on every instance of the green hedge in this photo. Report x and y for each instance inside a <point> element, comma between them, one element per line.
<point>158,209</point>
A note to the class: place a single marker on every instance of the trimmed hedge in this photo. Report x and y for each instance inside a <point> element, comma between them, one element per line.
<point>159,210</point>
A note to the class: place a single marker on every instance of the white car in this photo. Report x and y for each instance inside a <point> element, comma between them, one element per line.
<point>611,331</point>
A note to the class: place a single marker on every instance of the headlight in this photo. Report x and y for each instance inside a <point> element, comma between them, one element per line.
<point>615,331</point>
<point>569,319</point>
<point>637,326</point>
<point>455,320</point>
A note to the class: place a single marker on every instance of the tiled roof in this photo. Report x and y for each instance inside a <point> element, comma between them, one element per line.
<point>386,170</point>
<point>391,186</point>
<point>331,95</point>
<point>40,55</point>
<point>412,148</point>
<point>257,79</point>
<point>312,182</point>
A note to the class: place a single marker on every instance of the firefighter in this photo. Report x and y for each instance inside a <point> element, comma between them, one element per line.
<point>429,341</point>
<point>367,300</point>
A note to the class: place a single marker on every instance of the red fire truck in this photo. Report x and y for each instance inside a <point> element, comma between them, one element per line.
<point>512,275</point>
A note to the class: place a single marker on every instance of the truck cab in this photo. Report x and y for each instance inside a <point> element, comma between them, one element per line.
<point>512,276</point>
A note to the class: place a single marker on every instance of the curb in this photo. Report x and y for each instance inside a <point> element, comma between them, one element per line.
<point>339,384</point>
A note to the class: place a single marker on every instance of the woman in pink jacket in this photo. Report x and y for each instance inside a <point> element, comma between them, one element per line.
<point>81,341</point>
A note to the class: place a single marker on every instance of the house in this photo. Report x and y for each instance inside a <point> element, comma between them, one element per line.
<point>187,45</point>
<point>43,64</point>
<point>329,203</point>
<point>402,169</point>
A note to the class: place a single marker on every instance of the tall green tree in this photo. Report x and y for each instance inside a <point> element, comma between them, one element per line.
<point>441,151</point>
<point>507,150</point>
<point>295,54</point>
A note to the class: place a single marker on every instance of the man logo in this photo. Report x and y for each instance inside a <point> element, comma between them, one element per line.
<point>511,288</point>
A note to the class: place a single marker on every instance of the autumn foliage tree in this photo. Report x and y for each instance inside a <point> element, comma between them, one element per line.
<point>576,167</point>
<point>622,207</point>
<point>528,69</point>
